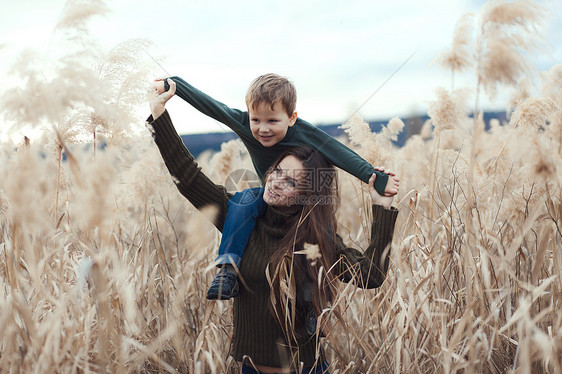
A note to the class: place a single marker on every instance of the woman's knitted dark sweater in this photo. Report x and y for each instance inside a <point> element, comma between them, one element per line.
<point>257,334</point>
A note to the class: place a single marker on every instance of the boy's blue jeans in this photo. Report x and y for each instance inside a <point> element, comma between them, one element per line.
<point>243,210</point>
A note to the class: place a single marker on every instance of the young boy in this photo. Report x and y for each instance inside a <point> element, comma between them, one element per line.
<point>268,128</point>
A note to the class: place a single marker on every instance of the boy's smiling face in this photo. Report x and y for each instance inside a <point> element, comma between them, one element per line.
<point>269,126</point>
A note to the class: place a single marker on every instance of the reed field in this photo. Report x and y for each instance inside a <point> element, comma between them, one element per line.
<point>104,266</point>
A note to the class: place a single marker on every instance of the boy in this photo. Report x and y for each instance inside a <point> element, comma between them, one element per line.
<point>268,128</point>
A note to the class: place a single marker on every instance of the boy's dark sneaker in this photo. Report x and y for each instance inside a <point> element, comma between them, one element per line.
<point>224,286</point>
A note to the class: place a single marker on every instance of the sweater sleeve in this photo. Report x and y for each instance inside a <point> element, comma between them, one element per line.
<point>368,270</point>
<point>233,118</point>
<point>338,154</point>
<point>190,180</point>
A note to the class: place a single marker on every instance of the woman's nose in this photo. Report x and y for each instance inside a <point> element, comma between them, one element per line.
<point>277,183</point>
<point>280,184</point>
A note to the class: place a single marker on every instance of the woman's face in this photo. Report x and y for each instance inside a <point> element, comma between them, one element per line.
<point>284,183</point>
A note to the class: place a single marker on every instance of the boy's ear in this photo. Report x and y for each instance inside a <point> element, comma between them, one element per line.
<point>292,119</point>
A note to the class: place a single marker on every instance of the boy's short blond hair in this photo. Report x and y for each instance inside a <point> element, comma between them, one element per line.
<point>271,89</point>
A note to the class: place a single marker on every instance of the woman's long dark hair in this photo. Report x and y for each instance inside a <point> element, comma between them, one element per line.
<point>301,282</point>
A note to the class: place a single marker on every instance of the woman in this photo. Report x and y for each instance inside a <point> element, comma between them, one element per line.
<point>294,255</point>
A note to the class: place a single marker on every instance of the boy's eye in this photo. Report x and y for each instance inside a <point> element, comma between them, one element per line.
<point>291,183</point>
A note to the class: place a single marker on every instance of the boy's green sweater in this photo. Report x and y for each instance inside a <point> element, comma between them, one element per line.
<point>302,133</point>
<point>257,334</point>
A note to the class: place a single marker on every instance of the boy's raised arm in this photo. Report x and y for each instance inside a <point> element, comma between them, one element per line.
<point>232,118</point>
<point>340,155</point>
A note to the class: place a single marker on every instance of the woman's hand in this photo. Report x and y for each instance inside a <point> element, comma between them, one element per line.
<point>158,86</point>
<point>385,201</point>
<point>158,102</point>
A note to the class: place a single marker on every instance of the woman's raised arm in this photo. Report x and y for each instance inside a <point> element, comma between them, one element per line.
<point>368,270</point>
<point>190,180</point>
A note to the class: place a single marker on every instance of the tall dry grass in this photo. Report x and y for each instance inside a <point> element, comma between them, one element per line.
<point>104,267</point>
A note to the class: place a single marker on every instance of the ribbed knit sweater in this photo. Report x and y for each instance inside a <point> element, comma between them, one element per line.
<point>257,334</point>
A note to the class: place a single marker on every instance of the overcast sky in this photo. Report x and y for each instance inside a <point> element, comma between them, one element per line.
<point>337,53</point>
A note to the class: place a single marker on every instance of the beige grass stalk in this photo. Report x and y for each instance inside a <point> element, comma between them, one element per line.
<point>445,113</point>
<point>507,31</point>
<point>360,134</point>
<point>459,57</point>
<point>552,89</point>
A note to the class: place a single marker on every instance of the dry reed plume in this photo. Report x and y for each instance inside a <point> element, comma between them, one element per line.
<point>104,266</point>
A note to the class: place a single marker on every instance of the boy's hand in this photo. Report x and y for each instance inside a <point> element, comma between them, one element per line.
<point>158,102</point>
<point>393,182</point>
